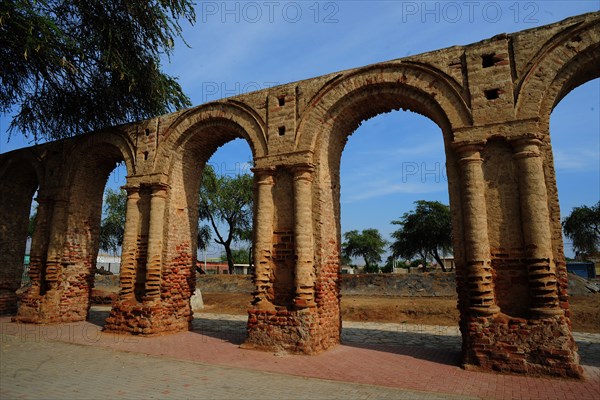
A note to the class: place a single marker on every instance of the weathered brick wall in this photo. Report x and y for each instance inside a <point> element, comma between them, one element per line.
<point>19,182</point>
<point>492,101</point>
<point>505,235</point>
<point>62,279</point>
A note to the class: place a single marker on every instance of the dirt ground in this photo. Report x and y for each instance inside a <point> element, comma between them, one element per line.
<point>414,310</point>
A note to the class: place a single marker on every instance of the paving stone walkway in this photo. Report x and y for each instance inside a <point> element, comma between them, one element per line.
<point>375,361</point>
<point>390,334</point>
<point>54,370</point>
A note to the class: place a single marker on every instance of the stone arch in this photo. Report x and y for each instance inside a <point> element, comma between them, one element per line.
<point>198,137</point>
<point>21,175</point>
<point>569,59</point>
<point>94,157</point>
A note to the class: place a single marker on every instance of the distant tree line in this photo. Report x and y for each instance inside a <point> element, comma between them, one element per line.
<point>424,232</point>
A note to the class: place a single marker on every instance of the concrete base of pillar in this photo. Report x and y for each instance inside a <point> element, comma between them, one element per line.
<point>148,318</point>
<point>535,347</point>
<point>293,331</point>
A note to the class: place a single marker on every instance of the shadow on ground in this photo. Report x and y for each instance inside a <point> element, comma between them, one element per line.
<point>408,340</point>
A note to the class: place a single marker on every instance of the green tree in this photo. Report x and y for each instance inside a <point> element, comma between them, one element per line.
<point>582,226</point>
<point>424,232</point>
<point>367,244</point>
<point>226,202</point>
<point>32,224</point>
<point>240,256</point>
<point>112,228</point>
<point>72,66</point>
<point>204,236</point>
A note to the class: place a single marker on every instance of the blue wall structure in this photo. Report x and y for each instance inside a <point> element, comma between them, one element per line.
<point>583,269</point>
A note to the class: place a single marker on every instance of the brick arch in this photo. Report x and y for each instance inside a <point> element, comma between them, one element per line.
<point>242,119</point>
<point>569,59</point>
<point>187,162</point>
<point>22,160</point>
<point>63,280</point>
<point>188,144</point>
<point>21,174</point>
<point>192,139</point>
<point>337,112</point>
<point>84,145</point>
<point>418,87</point>
<point>579,70</point>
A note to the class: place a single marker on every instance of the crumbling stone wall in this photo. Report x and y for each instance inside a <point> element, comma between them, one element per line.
<point>492,101</point>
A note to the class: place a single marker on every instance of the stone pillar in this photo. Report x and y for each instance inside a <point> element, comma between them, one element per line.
<point>537,235</point>
<point>263,241</point>
<point>303,237</point>
<point>155,240</point>
<point>129,246</point>
<point>479,276</point>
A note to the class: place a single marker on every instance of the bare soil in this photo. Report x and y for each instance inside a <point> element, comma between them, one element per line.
<point>413,310</point>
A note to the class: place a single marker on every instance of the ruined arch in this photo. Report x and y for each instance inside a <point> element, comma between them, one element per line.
<point>491,100</point>
<point>194,137</point>
<point>246,123</point>
<point>433,93</point>
<point>63,269</point>
<point>160,241</point>
<point>571,59</point>
<point>334,114</point>
<point>567,60</point>
<point>196,140</point>
<point>21,174</point>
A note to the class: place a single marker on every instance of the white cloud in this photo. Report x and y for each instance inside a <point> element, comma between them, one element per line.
<point>368,190</point>
<point>577,159</point>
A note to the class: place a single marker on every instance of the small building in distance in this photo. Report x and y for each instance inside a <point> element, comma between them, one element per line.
<point>584,269</point>
<point>108,262</point>
<point>220,268</point>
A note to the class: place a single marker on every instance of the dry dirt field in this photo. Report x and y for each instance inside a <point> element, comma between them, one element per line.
<point>416,310</point>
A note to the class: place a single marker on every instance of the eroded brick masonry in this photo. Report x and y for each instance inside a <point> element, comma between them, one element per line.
<point>492,101</point>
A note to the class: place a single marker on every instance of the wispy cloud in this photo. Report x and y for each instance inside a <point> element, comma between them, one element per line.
<point>577,159</point>
<point>369,190</point>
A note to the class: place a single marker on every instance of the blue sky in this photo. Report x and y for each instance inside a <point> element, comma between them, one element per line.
<point>393,159</point>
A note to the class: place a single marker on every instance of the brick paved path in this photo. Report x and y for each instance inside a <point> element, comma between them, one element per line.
<point>407,357</point>
<point>53,370</point>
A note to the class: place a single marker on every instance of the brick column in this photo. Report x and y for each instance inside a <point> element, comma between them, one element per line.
<point>51,271</point>
<point>263,241</point>
<point>479,277</point>
<point>303,236</point>
<point>39,242</point>
<point>155,240</point>
<point>129,246</point>
<point>537,235</point>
